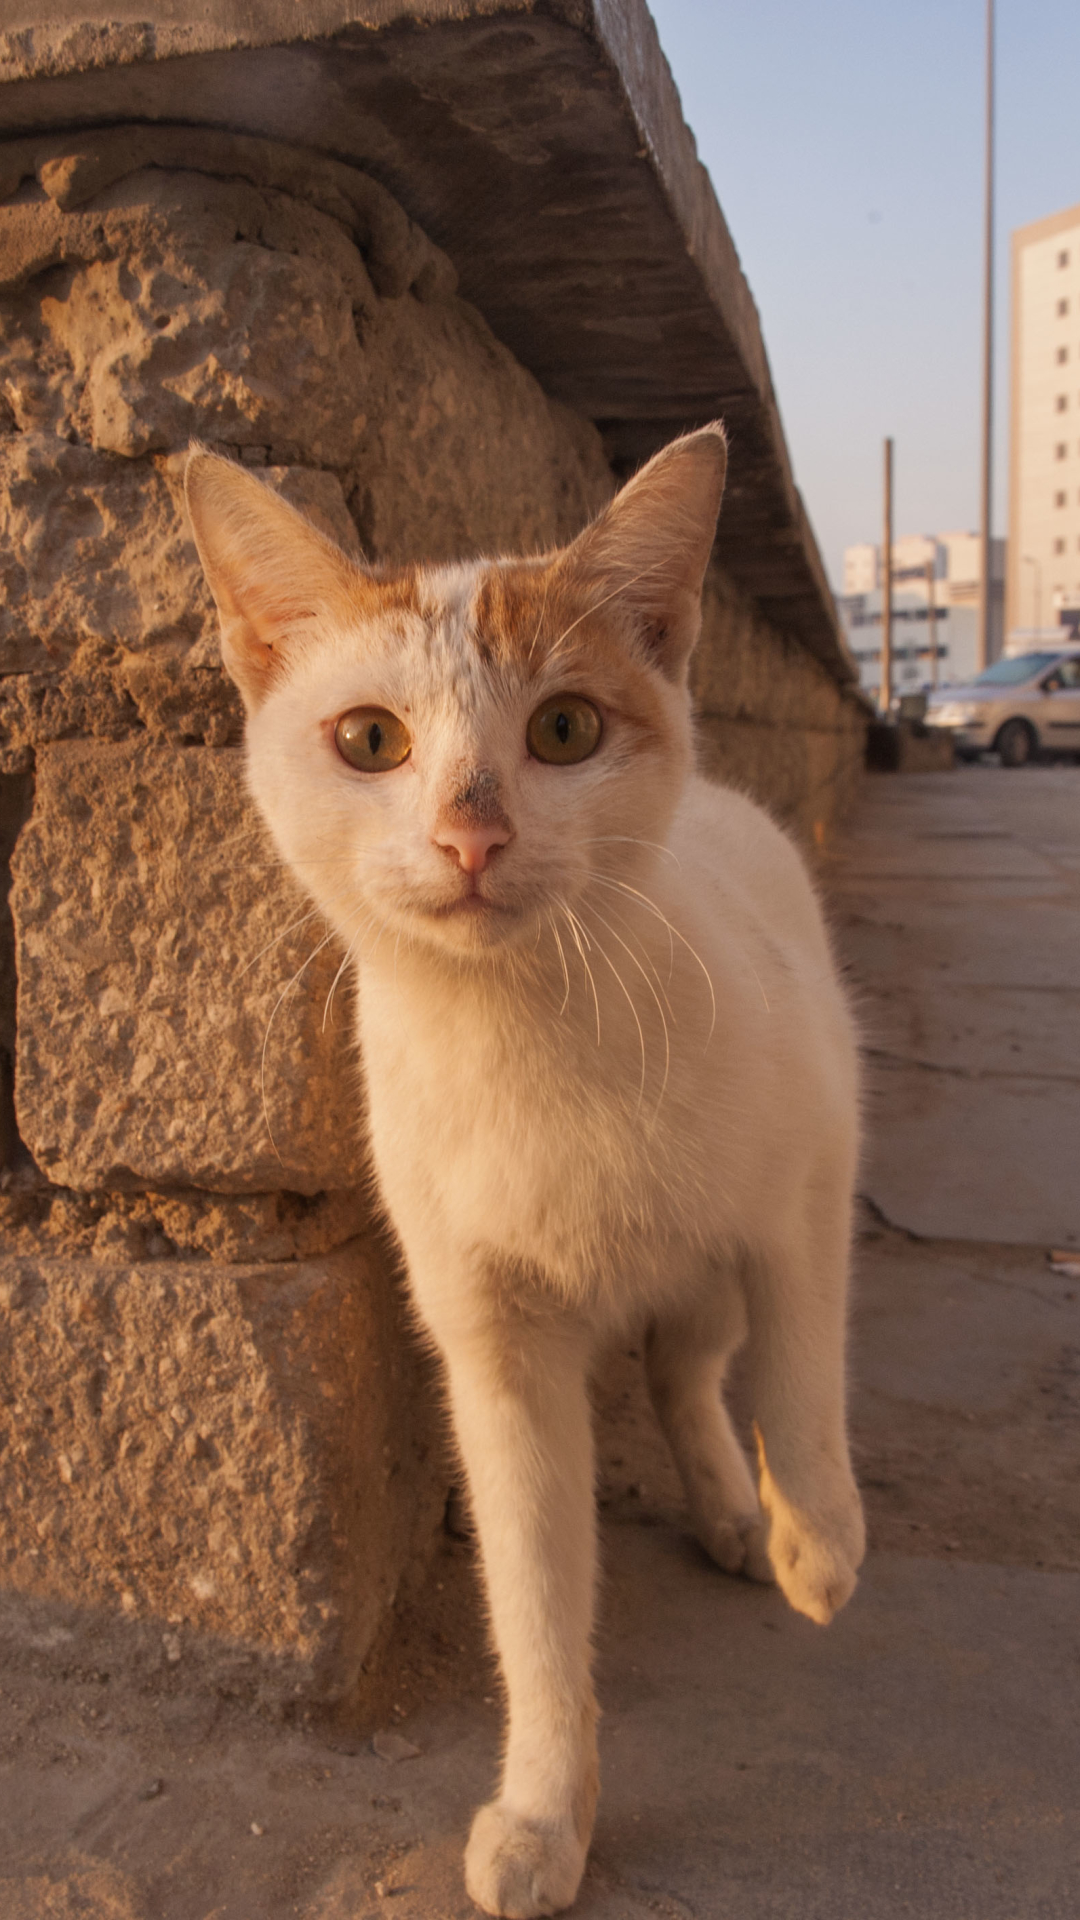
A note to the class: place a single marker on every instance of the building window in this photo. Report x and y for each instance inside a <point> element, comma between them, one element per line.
<point>1062,355</point>
<point>1061,450</point>
<point>1063,259</point>
<point>1059,546</point>
<point>1063,308</point>
<point>1061,402</point>
<point>1059,499</point>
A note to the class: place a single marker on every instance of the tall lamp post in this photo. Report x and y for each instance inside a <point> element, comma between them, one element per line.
<point>986,590</point>
<point>885,689</point>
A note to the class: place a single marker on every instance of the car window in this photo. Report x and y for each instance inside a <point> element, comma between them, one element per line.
<point>1012,672</point>
<point>1068,672</point>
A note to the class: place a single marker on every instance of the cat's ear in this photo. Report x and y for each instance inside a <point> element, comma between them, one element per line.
<point>650,548</point>
<point>275,577</point>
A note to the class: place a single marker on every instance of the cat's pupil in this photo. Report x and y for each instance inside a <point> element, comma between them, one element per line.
<point>562,728</point>
<point>374,738</point>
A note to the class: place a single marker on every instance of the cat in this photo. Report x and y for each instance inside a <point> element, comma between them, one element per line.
<point>611,1074</point>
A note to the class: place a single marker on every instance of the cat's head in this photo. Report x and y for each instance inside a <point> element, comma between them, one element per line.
<point>463,752</point>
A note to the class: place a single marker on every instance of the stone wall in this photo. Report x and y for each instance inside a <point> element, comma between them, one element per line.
<point>213,1425</point>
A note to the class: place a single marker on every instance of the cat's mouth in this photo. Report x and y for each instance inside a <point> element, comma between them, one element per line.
<point>470,905</point>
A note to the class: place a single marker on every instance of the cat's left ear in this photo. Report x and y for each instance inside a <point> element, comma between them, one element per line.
<point>650,548</point>
<point>274,576</point>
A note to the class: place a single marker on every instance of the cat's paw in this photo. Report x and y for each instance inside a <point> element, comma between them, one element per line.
<point>815,1554</point>
<point>737,1543</point>
<point>518,1868</point>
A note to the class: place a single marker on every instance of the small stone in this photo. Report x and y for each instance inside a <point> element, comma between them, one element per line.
<point>257,1830</point>
<point>152,1790</point>
<point>171,1644</point>
<point>393,1747</point>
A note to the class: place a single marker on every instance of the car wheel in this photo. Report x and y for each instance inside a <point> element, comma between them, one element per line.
<point>1016,743</point>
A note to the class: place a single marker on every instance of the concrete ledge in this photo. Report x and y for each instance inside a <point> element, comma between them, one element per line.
<point>542,147</point>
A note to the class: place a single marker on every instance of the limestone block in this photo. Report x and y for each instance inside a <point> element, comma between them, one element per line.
<point>160,1043</point>
<point>192,306</point>
<point>462,452</point>
<point>241,1456</point>
<point>39,1221</point>
<point>72,169</point>
<point>97,548</point>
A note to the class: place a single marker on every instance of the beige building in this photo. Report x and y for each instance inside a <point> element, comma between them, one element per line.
<point>1043,587</point>
<point>956,563</point>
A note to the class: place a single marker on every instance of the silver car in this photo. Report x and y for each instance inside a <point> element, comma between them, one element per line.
<point>1020,707</point>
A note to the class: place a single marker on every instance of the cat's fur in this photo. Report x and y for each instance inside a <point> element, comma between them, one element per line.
<point>616,1089</point>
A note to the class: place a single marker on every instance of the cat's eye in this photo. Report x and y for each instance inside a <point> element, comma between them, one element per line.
<point>565,729</point>
<point>372,740</point>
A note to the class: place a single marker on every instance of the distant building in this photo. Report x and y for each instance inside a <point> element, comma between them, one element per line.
<point>956,560</point>
<point>1043,591</point>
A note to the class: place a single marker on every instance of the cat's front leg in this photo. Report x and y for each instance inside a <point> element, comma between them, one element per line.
<point>797,1300</point>
<point>520,1409</point>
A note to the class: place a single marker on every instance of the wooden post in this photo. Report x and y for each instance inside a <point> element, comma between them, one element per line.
<point>885,689</point>
<point>931,621</point>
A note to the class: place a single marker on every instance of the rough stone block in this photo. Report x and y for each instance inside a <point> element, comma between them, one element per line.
<point>95,548</point>
<point>160,1043</point>
<point>241,1457</point>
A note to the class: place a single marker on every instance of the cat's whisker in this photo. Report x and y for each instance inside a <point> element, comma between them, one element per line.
<point>562,960</point>
<point>659,1007</point>
<point>540,618</point>
<point>616,886</point>
<point>293,927</point>
<point>286,989</point>
<point>628,996</point>
<point>623,587</point>
<point>631,840</point>
<point>578,930</point>
<point>672,928</point>
<point>329,1002</point>
<point>646,955</point>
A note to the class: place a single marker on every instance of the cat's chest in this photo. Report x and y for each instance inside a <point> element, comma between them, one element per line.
<point>516,1136</point>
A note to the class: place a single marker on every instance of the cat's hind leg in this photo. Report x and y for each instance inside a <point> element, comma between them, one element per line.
<point>686,1358</point>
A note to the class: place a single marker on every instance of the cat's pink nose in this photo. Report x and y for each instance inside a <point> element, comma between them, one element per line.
<point>472,847</point>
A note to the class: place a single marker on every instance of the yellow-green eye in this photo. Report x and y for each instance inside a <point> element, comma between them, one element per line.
<point>372,740</point>
<point>564,729</point>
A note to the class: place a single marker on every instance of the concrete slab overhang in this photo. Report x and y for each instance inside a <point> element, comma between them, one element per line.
<point>542,144</point>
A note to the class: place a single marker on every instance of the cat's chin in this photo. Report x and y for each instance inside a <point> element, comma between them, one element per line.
<point>472,925</point>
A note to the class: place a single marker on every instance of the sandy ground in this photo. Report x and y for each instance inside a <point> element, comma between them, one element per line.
<point>919,1757</point>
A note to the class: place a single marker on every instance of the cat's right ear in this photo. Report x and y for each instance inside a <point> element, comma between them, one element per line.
<point>275,578</point>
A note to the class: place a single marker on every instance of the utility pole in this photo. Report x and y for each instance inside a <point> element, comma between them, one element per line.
<point>885,689</point>
<point>931,621</point>
<point>986,588</point>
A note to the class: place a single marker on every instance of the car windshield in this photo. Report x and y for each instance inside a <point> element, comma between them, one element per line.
<point>1009,673</point>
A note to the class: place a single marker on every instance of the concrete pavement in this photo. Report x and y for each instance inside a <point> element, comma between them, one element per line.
<point>917,1758</point>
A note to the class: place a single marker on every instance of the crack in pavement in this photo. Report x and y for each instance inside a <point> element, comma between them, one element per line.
<point>885,1058</point>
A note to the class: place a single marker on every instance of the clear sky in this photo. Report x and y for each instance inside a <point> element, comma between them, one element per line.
<point>844,140</point>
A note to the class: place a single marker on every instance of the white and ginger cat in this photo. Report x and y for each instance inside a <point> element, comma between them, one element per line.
<point>611,1075</point>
